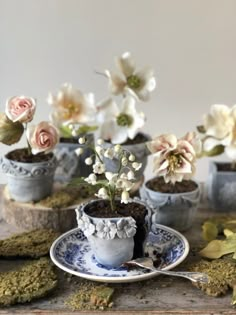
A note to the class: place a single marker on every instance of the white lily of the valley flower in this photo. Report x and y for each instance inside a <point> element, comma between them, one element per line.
<point>72,106</point>
<point>117,148</point>
<point>131,158</point>
<point>111,177</point>
<point>91,179</point>
<point>99,150</point>
<point>102,193</point>
<point>98,168</point>
<point>137,83</point>
<point>127,185</point>
<point>109,153</point>
<point>124,161</point>
<point>130,175</point>
<point>125,198</point>
<point>79,151</point>
<point>136,166</point>
<point>82,140</point>
<point>100,141</point>
<point>88,161</point>
<point>119,125</point>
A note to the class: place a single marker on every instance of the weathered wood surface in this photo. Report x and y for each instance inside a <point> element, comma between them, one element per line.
<point>160,295</point>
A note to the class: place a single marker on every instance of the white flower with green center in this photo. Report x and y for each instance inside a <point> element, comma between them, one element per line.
<point>130,81</point>
<point>119,125</point>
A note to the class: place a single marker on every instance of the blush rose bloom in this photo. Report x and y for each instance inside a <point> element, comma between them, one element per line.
<point>42,137</point>
<point>20,108</point>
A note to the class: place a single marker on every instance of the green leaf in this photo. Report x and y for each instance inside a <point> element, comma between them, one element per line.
<point>10,132</point>
<point>209,231</point>
<point>217,150</point>
<point>65,131</point>
<point>201,129</point>
<point>86,129</point>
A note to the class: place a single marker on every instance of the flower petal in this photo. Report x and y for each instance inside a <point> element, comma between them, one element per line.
<point>126,64</point>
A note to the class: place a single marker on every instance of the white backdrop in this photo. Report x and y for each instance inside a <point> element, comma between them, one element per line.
<point>191,44</point>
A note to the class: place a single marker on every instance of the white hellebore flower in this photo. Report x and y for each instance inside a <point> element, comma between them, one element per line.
<point>136,83</point>
<point>91,179</point>
<point>118,125</point>
<point>125,198</point>
<point>106,229</point>
<point>102,193</point>
<point>98,168</point>
<point>126,228</point>
<point>219,125</point>
<point>70,105</point>
<point>174,159</point>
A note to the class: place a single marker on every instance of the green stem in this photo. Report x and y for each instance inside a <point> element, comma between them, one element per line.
<point>112,198</point>
<point>28,144</point>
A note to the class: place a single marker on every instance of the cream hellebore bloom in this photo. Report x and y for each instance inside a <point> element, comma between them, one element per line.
<point>174,159</point>
<point>219,125</point>
<point>118,125</point>
<point>71,106</point>
<point>139,84</point>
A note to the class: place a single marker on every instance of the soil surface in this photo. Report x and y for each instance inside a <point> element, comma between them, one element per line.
<point>139,138</point>
<point>102,209</point>
<point>158,184</point>
<point>22,155</point>
<point>225,167</point>
<point>69,140</point>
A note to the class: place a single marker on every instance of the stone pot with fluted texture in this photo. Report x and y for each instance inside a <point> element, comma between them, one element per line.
<point>29,182</point>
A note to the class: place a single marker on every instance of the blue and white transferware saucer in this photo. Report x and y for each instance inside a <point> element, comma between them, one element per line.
<point>72,253</point>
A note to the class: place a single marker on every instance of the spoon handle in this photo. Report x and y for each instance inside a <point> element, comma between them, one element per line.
<point>193,276</point>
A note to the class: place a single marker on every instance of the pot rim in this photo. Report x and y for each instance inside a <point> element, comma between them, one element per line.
<point>134,200</point>
<point>148,137</point>
<point>4,157</point>
<point>171,194</point>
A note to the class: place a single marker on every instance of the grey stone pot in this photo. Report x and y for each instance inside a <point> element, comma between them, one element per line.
<point>111,239</point>
<point>221,188</point>
<point>28,182</point>
<point>140,151</point>
<point>173,210</point>
<point>69,164</point>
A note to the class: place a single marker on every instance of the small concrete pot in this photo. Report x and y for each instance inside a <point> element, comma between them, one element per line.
<point>111,239</point>
<point>221,188</point>
<point>29,182</point>
<point>140,151</point>
<point>173,210</point>
<point>69,164</point>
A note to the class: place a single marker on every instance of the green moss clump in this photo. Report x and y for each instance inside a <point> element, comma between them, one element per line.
<point>33,244</point>
<point>91,297</point>
<point>33,280</point>
<point>67,196</point>
<point>221,273</point>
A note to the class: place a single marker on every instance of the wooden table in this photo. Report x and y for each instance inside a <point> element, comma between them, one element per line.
<point>160,295</point>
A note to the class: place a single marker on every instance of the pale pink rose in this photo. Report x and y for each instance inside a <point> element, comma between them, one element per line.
<point>42,138</point>
<point>20,108</point>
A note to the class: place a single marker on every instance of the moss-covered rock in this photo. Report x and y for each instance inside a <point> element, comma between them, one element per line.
<point>33,244</point>
<point>33,280</point>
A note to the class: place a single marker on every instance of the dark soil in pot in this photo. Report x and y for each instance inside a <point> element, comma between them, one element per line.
<point>225,167</point>
<point>139,138</point>
<point>69,140</point>
<point>158,184</point>
<point>22,155</point>
<point>137,211</point>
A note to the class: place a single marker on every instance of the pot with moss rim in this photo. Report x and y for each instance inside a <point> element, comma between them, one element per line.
<point>176,210</point>
<point>71,165</point>
<point>29,181</point>
<point>139,150</point>
<point>118,238</point>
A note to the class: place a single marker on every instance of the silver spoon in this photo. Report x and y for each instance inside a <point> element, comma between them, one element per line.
<point>147,263</point>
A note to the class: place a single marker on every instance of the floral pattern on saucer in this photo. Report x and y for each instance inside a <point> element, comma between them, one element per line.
<point>72,253</point>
